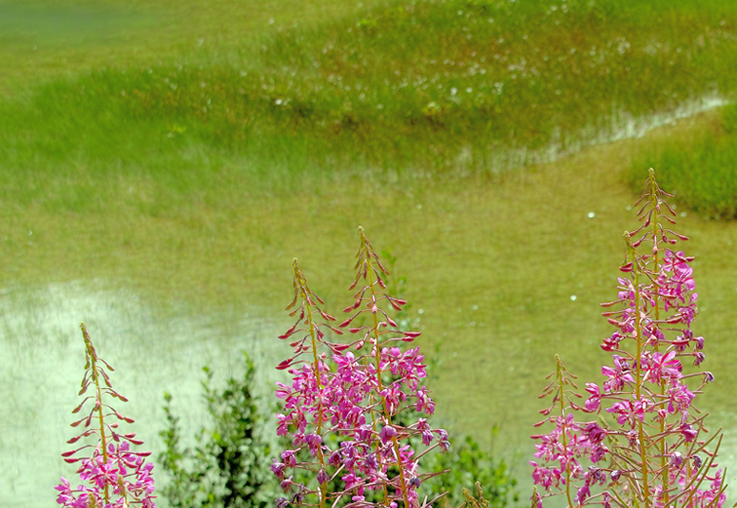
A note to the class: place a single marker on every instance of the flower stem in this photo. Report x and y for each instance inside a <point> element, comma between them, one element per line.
<point>656,309</point>
<point>638,378</point>
<point>92,355</point>
<point>302,286</point>
<point>563,434</point>
<point>375,330</point>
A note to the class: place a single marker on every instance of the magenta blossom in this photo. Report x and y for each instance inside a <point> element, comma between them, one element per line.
<point>645,446</point>
<point>354,391</point>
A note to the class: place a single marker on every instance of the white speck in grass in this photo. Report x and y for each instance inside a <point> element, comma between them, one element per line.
<point>469,90</point>
<point>419,207</point>
<point>271,21</point>
<point>629,208</point>
<point>277,102</point>
<point>455,354</point>
<point>475,307</point>
<point>453,91</point>
<point>511,368</point>
<point>491,20</point>
<point>203,84</point>
<point>573,298</point>
<point>420,311</point>
<point>592,215</point>
<point>460,13</point>
<point>683,214</point>
<point>379,106</point>
<point>473,323</point>
<point>460,309</point>
<point>30,233</point>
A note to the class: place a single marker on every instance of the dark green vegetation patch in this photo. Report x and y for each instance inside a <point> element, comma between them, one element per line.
<point>701,170</point>
<point>439,85</point>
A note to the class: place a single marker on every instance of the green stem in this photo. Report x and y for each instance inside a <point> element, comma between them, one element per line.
<point>638,380</point>
<point>92,354</point>
<point>387,413</point>
<point>302,286</point>
<point>656,297</point>
<point>563,435</point>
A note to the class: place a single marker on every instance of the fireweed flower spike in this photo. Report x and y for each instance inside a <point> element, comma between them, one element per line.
<point>115,475</point>
<point>647,447</point>
<point>354,391</point>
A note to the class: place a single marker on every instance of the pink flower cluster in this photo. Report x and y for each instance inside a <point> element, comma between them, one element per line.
<point>115,475</point>
<point>646,447</point>
<point>354,391</point>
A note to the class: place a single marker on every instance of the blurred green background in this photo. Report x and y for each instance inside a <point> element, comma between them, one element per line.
<point>162,163</point>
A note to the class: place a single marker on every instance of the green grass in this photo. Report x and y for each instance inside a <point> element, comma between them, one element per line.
<point>43,40</point>
<point>401,88</point>
<point>701,168</point>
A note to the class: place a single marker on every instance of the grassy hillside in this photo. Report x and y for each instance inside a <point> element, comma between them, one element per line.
<point>403,88</point>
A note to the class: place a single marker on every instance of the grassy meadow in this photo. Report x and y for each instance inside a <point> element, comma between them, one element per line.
<point>187,151</point>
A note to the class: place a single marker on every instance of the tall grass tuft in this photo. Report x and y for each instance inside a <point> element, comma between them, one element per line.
<point>701,171</point>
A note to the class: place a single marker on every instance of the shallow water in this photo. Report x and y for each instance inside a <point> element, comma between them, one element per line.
<point>152,351</point>
<point>42,365</point>
<point>621,126</point>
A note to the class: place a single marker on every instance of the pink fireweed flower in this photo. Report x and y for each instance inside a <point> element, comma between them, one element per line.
<point>662,368</point>
<point>115,475</point>
<point>650,456</point>
<point>353,391</point>
<point>593,402</point>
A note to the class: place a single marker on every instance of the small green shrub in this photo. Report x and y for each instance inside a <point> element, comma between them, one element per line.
<point>469,465</point>
<point>229,467</point>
